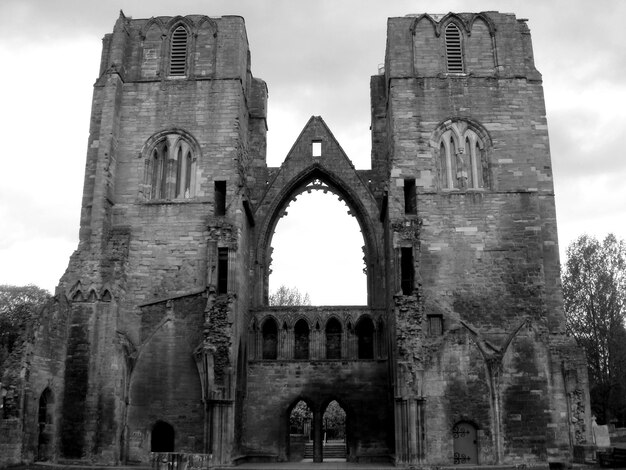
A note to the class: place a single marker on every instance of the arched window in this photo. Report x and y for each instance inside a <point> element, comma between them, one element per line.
<point>162,439</point>
<point>301,333</point>
<point>443,167</point>
<point>365,335</point>
<point>45,407</point>
<point>187,173</point>
<point>333,339</point>
<point>270,339</point>
<point>461,158</point>
<point>454,51</point>
<point>178,51</point>
<point>170,168</point>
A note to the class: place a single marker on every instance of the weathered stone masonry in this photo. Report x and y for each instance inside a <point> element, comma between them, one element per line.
<point>160,338</point>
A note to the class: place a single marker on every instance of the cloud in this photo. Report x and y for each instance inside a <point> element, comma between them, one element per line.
<point>317,58</point>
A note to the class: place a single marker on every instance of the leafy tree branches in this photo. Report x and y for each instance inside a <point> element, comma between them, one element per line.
<point>289,296</point>
<point>19,306</point>
<point>594,288</point>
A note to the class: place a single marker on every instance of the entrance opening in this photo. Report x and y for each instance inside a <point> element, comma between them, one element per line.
<point>162,437</point>
<point>465,444</point>
<point>334,422</point>
<point>45,416</point>
<point>300,432</point>
<point>317,248</point>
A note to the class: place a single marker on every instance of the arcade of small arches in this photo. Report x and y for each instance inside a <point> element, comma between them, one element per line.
<point>336,337</point>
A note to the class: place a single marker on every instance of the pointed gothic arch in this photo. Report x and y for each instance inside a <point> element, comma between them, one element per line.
<point>297,186</point>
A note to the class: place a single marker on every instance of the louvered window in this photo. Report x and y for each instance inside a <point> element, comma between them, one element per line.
<point>178,52</point>
<point>454,53</point>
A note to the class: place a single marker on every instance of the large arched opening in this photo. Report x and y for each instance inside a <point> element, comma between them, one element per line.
<point>317,179</point>
<point>317,248</point>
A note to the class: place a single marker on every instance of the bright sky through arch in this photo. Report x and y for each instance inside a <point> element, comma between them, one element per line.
<point>318,248</point>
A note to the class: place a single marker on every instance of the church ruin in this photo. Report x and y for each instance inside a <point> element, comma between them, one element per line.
<point>161,339</point>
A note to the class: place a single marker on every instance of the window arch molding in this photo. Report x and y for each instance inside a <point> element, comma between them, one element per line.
<point>170,160</point>
<point>461,150</point>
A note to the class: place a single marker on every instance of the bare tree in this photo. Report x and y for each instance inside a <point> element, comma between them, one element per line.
<point>594,288</point>
<point>289,296</point>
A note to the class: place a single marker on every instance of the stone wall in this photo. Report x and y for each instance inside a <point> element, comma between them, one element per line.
<point>359,386</point>
<point>158,321</point>
<point>485,257</point>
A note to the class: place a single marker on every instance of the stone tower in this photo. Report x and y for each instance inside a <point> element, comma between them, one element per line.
<point>161,339</point>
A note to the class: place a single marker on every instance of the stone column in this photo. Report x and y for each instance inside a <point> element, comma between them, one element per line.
<point>318,449</point>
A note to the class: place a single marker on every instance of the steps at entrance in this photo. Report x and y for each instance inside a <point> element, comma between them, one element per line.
<point>332,450</point>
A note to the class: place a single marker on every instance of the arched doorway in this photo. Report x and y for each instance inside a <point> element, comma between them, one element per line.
<point>334,432</point>
<point>162,437</point>
<point>45,422</point>
<point>465,444</point>
<point>300,432</point>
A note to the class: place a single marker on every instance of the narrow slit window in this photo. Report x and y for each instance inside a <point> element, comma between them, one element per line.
<point>406,270</point>
<point>316,148</point>
<point>469,159</point>
<point>222,270</point>
<point>179,171</point>
<point>187,174</point>
<point>178,52</point>
<point>479,181</point>
<point>220,198</point>
<point>164,166</point>
<point>454,52</point>
<point>444,165</point>
<point>435,325</point>
<point>410,206</point>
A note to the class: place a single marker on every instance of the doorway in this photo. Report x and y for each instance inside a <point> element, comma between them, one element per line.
<point>162,439</point>
<point>334,432</point>
<point>45,417</point>
<point>300,432</point>
<point>465,444</point>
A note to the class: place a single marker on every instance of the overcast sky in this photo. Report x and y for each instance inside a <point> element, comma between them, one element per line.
<point>316,57</point>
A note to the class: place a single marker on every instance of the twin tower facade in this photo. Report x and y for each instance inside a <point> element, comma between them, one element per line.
<point>161,338</point>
